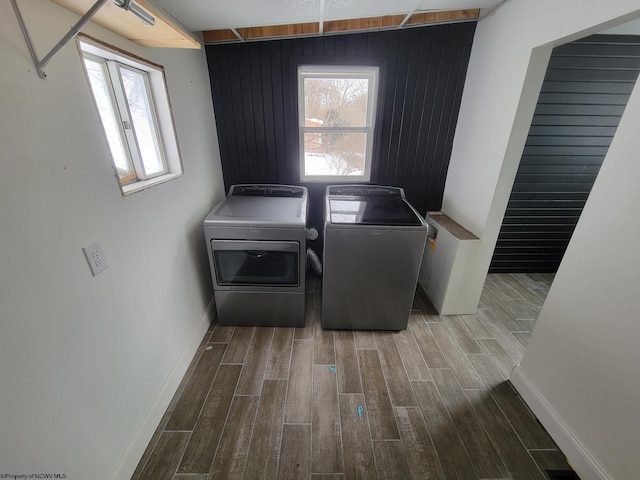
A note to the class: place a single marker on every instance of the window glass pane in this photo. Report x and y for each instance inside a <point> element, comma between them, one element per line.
<point>335,102</point>
<point>142,118</point>
<point>334,153</point>
<point>108,116</point>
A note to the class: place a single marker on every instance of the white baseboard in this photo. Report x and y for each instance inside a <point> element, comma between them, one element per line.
<point>136,446</point>
<point>578,455</point>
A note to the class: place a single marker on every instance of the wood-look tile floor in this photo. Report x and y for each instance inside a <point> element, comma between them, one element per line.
<point>429,402</point>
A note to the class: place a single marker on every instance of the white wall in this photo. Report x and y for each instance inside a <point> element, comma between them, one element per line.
<point>82,358</point>
<point>493,95</point>
<point>579,366</point>
<point>583,357</point>
<point>506,69</point>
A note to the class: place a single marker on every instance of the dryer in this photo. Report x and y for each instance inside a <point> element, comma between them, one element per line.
<point>256,242</point>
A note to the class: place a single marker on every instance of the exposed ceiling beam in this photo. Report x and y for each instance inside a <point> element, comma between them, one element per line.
<point>323,27</point>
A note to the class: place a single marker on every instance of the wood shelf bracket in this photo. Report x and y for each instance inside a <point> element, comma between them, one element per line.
<point>40,64</point>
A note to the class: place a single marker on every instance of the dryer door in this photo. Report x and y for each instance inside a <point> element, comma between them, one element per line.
<point>256,263</point>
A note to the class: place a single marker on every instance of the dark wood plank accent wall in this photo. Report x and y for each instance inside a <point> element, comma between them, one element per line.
<point>422,77</point>
<point>584,94</point>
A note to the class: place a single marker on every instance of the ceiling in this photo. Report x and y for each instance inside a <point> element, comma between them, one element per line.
<point>189,23</point>
<point>239,20</point>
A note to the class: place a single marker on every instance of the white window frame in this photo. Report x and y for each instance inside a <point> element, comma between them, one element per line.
<point>113,60</point>
<point>372,73</point>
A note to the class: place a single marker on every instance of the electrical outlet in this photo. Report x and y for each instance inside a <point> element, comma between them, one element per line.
<point>95,258</point>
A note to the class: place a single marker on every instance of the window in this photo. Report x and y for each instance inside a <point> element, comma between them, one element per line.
<point>336,115</point>
<point>131,98</point>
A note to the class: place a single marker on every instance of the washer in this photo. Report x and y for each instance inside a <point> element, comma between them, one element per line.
<point>373,246</point>
<point>256,241</point>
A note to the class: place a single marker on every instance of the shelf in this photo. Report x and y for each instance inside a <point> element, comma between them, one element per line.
<point>166,33</point>
<point>457,230</point>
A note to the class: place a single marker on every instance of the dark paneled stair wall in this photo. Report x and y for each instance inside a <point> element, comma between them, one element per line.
<point>584,94</point>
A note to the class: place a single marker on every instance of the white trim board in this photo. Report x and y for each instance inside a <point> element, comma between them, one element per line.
<point>138,442</point>
<point>578,455</point>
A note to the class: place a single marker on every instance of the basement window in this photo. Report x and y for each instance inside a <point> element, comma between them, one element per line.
<point>131,98</point>
<point>336,119</point>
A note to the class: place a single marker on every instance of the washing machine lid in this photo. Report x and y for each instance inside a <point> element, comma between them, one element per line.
<point>372,211</point>
<point>370,205</point>
<point>261,205</point>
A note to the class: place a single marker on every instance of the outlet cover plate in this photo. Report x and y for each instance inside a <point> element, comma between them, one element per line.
<point>95,258</point>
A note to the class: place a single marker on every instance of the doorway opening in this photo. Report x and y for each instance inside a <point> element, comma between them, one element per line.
<point>583,96</point>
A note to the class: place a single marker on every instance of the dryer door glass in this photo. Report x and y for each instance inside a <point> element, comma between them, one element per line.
<point>239,262</point>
